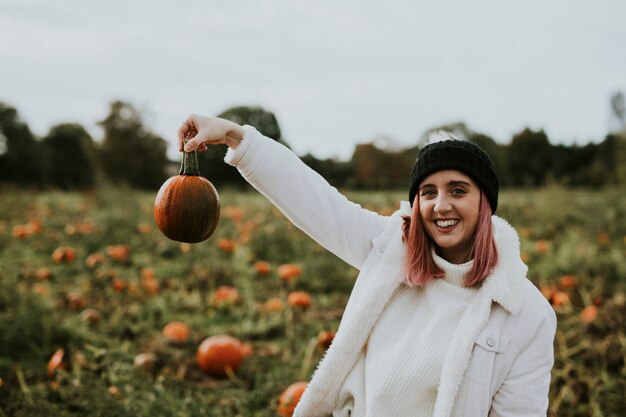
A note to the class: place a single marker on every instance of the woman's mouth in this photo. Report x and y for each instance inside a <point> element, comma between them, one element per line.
<point>446,224</point>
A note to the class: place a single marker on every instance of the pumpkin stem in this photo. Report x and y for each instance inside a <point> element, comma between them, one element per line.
<point>189,164</point>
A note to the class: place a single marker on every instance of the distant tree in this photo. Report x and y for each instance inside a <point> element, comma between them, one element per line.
<point>368,160</point>
<point>620,157</point>
<point>211,161</point>
<point>530,158</point>
<point>611,157</point>
<point>379,168</point>
<point>130,153</point>
<point>566,163</point>
<point>70,151</point>
<point>264,121</point>
<point>337,173</point>
<point>498,154</point>
<point>22,161</point>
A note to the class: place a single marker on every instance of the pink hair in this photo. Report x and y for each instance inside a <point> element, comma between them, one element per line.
<point>420,265</point>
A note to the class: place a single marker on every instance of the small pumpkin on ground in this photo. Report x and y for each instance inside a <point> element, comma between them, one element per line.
<point>218,355</point>
<point>290,397</point>
<point>56,362</point>
<point>299,299</point>
<point>176,331</point>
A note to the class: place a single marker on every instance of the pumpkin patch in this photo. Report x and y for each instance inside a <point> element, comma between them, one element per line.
<point>115,318</point>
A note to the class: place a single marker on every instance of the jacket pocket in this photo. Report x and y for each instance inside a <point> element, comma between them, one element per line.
<point>486,346</point>
<point>474,396</point>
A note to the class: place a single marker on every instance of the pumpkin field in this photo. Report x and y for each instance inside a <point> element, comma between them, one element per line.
<point>102,315</point>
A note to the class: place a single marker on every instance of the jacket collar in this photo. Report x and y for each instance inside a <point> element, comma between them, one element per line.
<point>504,283</point>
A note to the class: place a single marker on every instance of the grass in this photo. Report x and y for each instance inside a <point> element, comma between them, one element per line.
<point>578,233</point>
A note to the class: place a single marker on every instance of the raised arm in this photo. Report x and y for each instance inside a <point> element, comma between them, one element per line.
<point>305,197</point>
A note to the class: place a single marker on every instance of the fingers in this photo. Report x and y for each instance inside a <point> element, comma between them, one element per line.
<point>187,130</point>
<point>197,132</point>
<point>193,144</point>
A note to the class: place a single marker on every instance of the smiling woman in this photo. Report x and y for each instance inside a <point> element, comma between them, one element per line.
<point>454,192</point>
<point>442,320</point>
<point>449,203</point>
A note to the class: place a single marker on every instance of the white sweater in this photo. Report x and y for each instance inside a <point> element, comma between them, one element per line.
<point>398,370</point>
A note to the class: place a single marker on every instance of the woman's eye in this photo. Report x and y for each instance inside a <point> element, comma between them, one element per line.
<point>427,192</point>
<point>458,191</point>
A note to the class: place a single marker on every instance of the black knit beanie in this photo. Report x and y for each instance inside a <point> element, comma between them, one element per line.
<point>456,154</point>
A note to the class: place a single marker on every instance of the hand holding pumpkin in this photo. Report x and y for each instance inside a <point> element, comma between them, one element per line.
<point>202,131</point>
<point>187,206</point>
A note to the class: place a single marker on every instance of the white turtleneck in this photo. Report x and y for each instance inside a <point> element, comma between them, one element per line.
<point>398,371</point>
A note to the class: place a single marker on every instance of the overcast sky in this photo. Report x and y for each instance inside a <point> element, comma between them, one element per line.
<point>335,73</point>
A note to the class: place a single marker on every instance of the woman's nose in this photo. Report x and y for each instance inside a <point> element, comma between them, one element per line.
<point>442,204</point>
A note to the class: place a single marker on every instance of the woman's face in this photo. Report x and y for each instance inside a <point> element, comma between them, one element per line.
<point>449,202</point>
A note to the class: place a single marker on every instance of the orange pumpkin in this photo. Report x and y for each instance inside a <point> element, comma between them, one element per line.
<point>289,272</point>
<point>290,397</point>
<point>325,338</point>
<point>226,245</point>
<point>21,231</point>
<point>567,282</point>
<point>548,291</point>
<point>299,299</point>
<point>94,260</point>
<point>542,246</point>
<point>151,285</point>
<point>75,301</point>
<point>187,207</point>
<point>149,281</point>
<point>56,362</point>
<point>144,228</point>
<point>90,315</point>
<point>176,331</point>
<point>273,305</point>
<point>560,298</point>
<point>64,254</point>
<point>43,274</point>
<point>589,314</point>
<point>119,284</point>
<point>41,289</point>
<point>234,213</point>
<point>225,295</point>
<point>217,354</point>
<point>119,253</point>
<point>262,267</point>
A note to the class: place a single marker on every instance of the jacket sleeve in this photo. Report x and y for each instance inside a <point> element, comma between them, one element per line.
<point>309,202</point>
<point>526,387</point>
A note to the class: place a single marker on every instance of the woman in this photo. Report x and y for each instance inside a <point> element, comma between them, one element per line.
<point>442,320</point>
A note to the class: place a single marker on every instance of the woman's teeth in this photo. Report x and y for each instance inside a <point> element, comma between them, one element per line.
<point>446,223</point>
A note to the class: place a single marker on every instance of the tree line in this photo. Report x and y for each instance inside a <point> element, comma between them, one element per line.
<point>68,158</point>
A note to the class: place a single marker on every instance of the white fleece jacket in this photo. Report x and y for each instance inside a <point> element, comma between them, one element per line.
<point>497,362</point>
